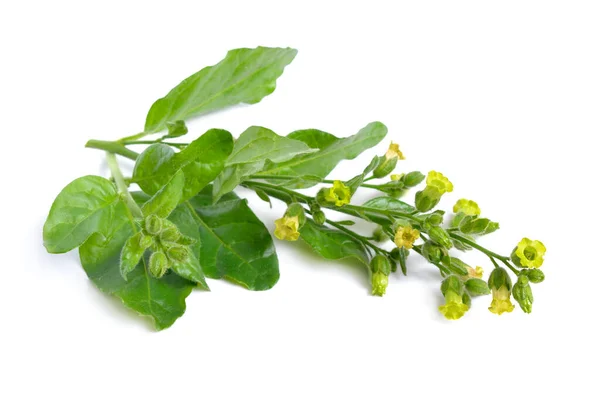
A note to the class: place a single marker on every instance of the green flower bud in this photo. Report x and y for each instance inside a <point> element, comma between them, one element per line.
<point>379,235</point>
<point>434,219</point>
<point>186,241</point>
<point>432,252</point>
<point>146,241</point>
<point>319,217</point>
<point>499,278</point>
<point>296,210</point>
<point>380,264</point>
<point>534,275</point>
<point>178,254</point>
<point>379,282</point>
<point>477,287</point>
<point>158,264</point>
<point>455,265</point>
<point>500,284</point>
<point>399,255</point>
<point>441,237</point>
<point>427,199</point>
<point>170,234</point>
<point>413,179</point>
<point>153,224</point>
<point>176,129</point>
<point>388,161</point>
<point>523,294</point>
<point>466,298</point>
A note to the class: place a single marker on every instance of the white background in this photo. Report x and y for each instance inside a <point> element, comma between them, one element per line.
<point>502,97</point>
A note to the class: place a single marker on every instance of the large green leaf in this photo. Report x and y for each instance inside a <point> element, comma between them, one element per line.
<point>86,206</point>
<point>234,243</point>
<point>167,198</point>
<point>331,152</point>
<point>244,76</point>
<point>333,244</point>
<point>201,161</point>
<point>255,147</point>
<point>163,300</point>
<point>386,204</point>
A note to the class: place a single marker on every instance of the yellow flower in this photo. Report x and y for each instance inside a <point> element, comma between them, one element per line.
<point>406,236</point>
<point>396,177</point>
<point>466,206</point>
<point>475,273</point>
<point>501,301</point>
<point>439,181</point>
<point>339,194</point>
<point>286,228</point>
<point>454,307</point>
<point>394,152</point>
<point>529,253</point>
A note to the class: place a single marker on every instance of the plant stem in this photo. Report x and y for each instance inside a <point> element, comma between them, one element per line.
<point>133,137</point>
<point>122,186</point>
<point>112,147</point>
<point>358,237</point>
<point>173,144</point>
<point>491,254</point>
<point>283,177</point>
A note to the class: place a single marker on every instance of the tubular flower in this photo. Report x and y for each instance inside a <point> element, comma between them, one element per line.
<point>466,206</point>
<point>406,236</point>
<point>439,181</point>
<point>475,273</point>
<point>339,194</point>
<point>286,228</point>
<point>500,284</point>
<point>529,253</point>
<point>394,152</point>
<point>453,291</point>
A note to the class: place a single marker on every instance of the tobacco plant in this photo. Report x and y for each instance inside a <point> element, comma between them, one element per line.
<point>150,248</point>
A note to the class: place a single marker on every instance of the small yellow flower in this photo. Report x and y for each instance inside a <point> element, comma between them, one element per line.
<point>530,253</point>
<point>439,181</point>
<point>475,273</point>
<point>454,307</point>
<point>339,194</point>
<point>406,236</point>
<point>466,206</point>
<point>396,177</point>
<point>501,301</point>
<point>394,151</point>
<point>286,228</point>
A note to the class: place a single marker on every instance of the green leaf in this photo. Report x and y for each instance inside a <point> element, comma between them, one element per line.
<point>86,206</point>
<point>163,300</point>
<point>201,161</point>
<point>132,252</point>
<point>244,76</point>
<point>358,180</point>
<point>167,198</point>
<point>251,151</point>
<point>386,204</point>
<point>235,243</point>
<point>472,225</point>
<point>333,244</point>
<point>331,152</point>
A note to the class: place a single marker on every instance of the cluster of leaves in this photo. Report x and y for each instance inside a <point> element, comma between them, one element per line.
<point>150,248</point>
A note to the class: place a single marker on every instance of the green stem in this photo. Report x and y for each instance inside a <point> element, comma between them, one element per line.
<point>284,177</point>
<point>173,144</point>
<point>117,175</point>
<point>133,137</point>
<point>112,147</point>
<point>358,237</point>
<point>491,254</point>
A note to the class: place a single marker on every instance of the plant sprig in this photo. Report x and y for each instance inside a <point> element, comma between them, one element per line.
<point>150,248</point>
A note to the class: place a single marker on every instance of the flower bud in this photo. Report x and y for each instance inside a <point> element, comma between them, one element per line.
<point>380,267</point>
<point>170,234</point>
<point>178,254</point>
<point>146,241</point>
<point>455,265</point>
<point>529,253</point>
<point>379,235</point>
<point>413,179</point>
<point>500,284</point>
<point>319,217</point>
<point>453,290</point>
<point>477,287</point>
<point>523,294</point>
<point>153,224</point>
<point>338,195</point>
<point>434,219</point>
<point>296,210</point>
<point>441,237</point>
<point>388,161</point>
<point>534,275</point>
<point>399,255</point>
<point>427,199</point>
<point>158,264</point>
<point>432,252</point>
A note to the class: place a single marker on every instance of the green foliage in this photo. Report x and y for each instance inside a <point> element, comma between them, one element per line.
<point>151,248</point>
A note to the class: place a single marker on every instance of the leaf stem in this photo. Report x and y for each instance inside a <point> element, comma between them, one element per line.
<point>122,186</point>
<point>173,144</point>
<point>491,254</point>
<point>112,147</point>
